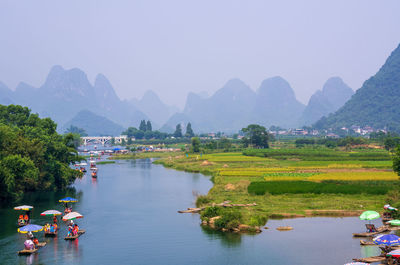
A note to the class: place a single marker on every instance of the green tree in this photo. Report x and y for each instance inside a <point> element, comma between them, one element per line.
<point>195,144</point>
<point>75,130</point>
<point>142,126</point>
<point>396,160</point>
<point>189,132</point>
<point>178,131</point>
<point>148,126</point>
<point>255,135</point>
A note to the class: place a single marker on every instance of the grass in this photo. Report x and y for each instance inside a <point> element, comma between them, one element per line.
<point>105,162</point>
<point>292,180</point>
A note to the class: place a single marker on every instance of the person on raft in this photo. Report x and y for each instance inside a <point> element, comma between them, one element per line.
<point>35,241</point>
<point>55,219</point>
<point>29,245</point>
<point>23,219</point>
<point>70,231</point>
<point>67,209</point>
<point>29,235</point>
<point>75,230</point>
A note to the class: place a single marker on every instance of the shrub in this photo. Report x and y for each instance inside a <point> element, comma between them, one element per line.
<point>258,220</point>
<point>202,200</point>
<point>228,216</point>
<point>210,212</point>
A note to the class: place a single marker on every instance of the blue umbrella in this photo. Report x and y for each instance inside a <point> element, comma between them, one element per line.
<point>117,149</point>
<point>68,199</point>
<point>30,228</point>
<point>387,240</point>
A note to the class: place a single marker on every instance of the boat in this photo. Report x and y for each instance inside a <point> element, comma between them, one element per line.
<point>366,243</point>
<point>284,228</point>
<point>370,259</point>
<point>50,234</point>
<point>80,232</point>
<point>27,251</point>
<point>379,230</point>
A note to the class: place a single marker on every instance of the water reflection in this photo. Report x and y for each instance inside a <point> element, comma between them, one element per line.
<point>369,251</point>
<point>230,240</point>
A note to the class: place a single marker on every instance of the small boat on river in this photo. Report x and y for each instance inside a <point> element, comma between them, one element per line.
<point>27,251</point>
<point>379,230</point>
<point>80,232</point>
<point>367,243</point>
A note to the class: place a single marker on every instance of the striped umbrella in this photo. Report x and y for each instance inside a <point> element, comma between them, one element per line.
<point>387,240</point>
<point>72,216</point>
<point>394,253</point>
<point>50,212</point>
<point>356,263</point>
<point>23,208</point>
<point>30,228</point>
<point>68,199</point>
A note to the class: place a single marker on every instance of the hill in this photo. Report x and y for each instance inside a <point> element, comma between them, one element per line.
<point>94,125</point>
<point>375,104</point>
<point>333,95</point>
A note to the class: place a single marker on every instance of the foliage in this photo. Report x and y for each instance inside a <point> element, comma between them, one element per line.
<point>195,144</point>
<point>33,156</point>
<point>147,134</point>
<point>229,218</point>
<point>210,212</point>
<point>149,128</point>
<point>202,200</point>
<point>255,135</point>
<point>189,131</point>
<point>178,131</point>
<point>396,160</point>
<point>75,130</point>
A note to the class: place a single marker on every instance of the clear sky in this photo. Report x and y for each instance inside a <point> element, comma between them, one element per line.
<point>177,46</point>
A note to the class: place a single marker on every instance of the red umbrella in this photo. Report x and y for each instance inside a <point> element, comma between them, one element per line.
<point>394,253</point>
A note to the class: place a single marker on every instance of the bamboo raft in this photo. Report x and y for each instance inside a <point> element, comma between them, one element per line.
<point>379,230</point>
<point>366,243</point>
<point>41,244</point>
<point>27,251</point>
<point>50,234</point>
<point>80,232</point>
<point>370,259</point>
<point>284,228</point>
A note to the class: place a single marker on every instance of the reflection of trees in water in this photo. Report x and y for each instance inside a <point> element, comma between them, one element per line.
<point>369,251</point>
<point>142,163</point>
<point>227,239</point>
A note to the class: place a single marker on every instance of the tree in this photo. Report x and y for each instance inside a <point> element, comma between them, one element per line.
<point>178,131</point>
<point>196,144</point>
<point>255,135</point>
<point>148,126</point>
<point>74,129</point>
<point>189,132</point>
<point>142,126</point>
<point>396,160</point>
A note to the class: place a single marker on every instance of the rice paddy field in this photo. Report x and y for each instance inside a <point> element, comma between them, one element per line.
<point>286,182</point>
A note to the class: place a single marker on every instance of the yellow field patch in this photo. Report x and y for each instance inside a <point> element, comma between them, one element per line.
<point>355,176</point>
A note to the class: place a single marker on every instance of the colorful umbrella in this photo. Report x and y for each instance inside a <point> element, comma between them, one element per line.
<point>23,208</point>
<point>68,199</point>
<point>72,216</point>
<point>356,263</point>
<point>387,240</point>
<point>394,222</point>
<point>394,253</point>
<point>369,215</point>
<point>50,212</point>
<point>30,228</point>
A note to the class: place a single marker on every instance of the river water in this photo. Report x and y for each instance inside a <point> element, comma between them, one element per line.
<point>130,217</point>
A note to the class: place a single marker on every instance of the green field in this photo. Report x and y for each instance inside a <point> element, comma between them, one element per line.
<point>294,181</point>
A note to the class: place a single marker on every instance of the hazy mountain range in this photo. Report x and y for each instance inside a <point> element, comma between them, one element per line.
<point>69,98</point>
<point>375,104</point>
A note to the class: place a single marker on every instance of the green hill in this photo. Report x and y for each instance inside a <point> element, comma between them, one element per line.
<point>375,103</point>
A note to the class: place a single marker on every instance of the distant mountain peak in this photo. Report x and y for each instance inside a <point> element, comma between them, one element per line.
<point>276,87</point>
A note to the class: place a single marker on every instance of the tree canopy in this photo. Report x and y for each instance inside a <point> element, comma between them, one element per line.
<point>255,136</point>
<point>33,156</point>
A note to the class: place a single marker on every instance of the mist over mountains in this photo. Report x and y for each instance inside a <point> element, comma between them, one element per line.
<point>69,98</point>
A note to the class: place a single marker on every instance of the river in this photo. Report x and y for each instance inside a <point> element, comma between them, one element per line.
<point>130,217</point>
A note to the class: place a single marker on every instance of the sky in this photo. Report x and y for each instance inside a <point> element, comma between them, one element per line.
<point>178,46</point>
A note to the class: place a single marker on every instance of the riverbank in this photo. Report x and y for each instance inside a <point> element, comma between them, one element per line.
<point>232,173</point>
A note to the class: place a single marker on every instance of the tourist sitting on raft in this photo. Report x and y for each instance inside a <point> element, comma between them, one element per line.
<point>73,230</point>
<point>35,241</point>
<point>67,210</point>
<point>29,245</point>
<point>51,228</point>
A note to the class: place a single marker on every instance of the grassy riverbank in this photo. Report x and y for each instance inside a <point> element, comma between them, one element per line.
<point>293,183</point>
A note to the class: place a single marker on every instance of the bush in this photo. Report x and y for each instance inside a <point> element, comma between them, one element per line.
<point>210,212</point>
<point>202,200</point>
<point>258,220</point>
<point>231,217</point>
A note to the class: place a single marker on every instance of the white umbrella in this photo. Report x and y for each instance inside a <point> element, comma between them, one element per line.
<point>23,207</point>
<point>51,212</point>
<point>71,216</point>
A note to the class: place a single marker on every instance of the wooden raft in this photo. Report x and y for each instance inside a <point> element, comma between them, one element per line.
<point>370,259</point>
<point>379,230</point>
<point>27,251</point>
<point>41,244</point>
<point>80,232</point>
<point>50,234</point>
<point>222,204</point>
<point>366,243</point>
